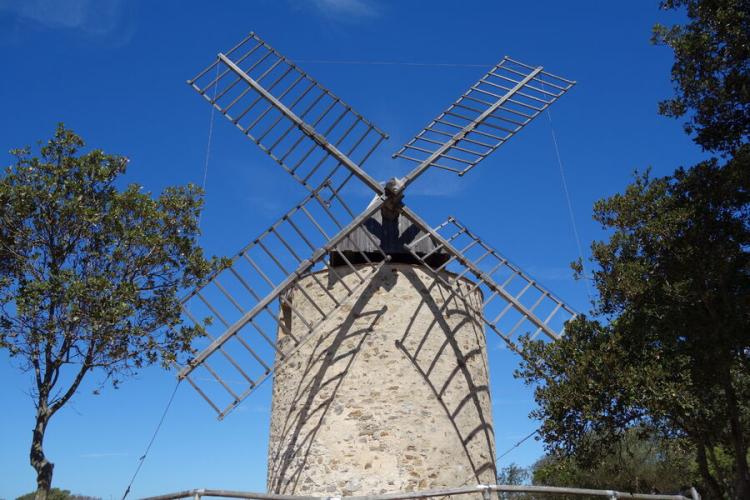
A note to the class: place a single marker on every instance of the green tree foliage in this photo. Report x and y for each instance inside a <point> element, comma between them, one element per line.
<point>512,474</point>
<point>710,72</point>
<point>638,462</point>
<point>674,353</point>
<point>58,494</point>
<point>668,347</point>
<point>89,274</point>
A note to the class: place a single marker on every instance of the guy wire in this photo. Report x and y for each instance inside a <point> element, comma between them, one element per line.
<point>151,442</point>
<point>208,147</point>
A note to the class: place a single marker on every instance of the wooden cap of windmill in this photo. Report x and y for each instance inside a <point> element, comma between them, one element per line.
<point>388,231</point>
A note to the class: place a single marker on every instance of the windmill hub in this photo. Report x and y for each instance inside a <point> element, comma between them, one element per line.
<point>388,234</point>
<point>394,198</point>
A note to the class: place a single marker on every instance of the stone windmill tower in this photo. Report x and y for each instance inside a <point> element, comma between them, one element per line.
<point>371,323</point>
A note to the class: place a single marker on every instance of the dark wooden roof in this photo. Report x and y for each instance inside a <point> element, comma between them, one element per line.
<point>391,235</point>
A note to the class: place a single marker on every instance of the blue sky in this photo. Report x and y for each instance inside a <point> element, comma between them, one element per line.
<point>115,71</point>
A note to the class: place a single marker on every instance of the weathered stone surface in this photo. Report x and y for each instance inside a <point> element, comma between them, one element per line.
<point>391,394</point>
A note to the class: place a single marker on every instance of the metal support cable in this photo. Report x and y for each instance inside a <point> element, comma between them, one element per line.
<point>151,442</point>
<point>177,385</point>
<point>516,445</point>
<point>566,192</point>
<point>393,63</point>
<point>508,451</point>
<point>208,148</point>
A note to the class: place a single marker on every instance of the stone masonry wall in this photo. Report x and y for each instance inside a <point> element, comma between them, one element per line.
<point>391,394</point>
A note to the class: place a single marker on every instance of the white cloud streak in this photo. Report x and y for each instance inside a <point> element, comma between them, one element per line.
<point>346,9</point>
<point>94,17</point>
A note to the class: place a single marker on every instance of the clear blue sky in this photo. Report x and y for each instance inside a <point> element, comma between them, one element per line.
<point>115,71</point>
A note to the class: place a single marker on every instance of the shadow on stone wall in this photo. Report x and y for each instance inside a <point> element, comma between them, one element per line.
<point>413,415</point>
<point>324,371</point>
<point>478,442</point>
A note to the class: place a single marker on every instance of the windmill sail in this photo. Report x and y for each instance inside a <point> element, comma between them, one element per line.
<point>513,302</point>
<point>303,126</point>
<point>242,307</point>
<point>322,142</point>
<point>494,109</point>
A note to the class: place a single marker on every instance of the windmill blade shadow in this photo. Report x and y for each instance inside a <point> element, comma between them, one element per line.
<point>467,356</point>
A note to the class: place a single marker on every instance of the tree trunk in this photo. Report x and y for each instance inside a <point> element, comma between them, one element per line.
<point>39,462</point>
<point>741,471</point>
<point>712,485</point>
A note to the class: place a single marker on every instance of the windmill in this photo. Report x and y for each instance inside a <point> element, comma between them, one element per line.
<point>371,323</point>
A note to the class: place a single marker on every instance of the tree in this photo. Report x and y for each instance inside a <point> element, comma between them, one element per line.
<point>670,350</point>
<point>513,474</point>
<point>711,72</point>
<point>668,346</point>
<point>58,494</point>
<point>89,274</point>
<point>640,462</point>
